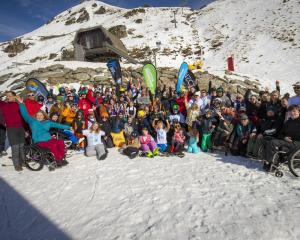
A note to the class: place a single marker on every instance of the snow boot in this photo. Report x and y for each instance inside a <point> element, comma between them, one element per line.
<point>156,151</point>
<point>149,154</point>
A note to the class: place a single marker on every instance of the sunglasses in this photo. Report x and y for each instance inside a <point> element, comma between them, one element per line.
<point>30,95</point>
<point>296,88</point>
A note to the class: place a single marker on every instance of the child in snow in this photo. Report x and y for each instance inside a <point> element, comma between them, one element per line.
<point>106,127</point>
<point>193,141</point>
<point>207,126</point>
<point>95,146</point>
<point>161,134</point>
<point>129,127</point>
<point>78,125</point>
<point>178,139</point>
<point>131,149</point>
<point>148,145</point>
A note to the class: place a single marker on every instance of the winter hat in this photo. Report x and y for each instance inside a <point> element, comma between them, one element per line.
<point>242,109</point>
<point>220,89</point>
<point>208,110</point>
<point>243,117</point>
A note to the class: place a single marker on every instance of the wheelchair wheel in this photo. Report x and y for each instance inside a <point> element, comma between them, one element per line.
<point>279,174</point>
<point>294,163</point>
<point>33,158</point>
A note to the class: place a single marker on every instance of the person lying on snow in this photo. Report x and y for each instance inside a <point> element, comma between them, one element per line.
<point>40,127</point>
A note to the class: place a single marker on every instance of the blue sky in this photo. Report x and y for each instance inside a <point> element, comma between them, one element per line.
<point>21,16</point>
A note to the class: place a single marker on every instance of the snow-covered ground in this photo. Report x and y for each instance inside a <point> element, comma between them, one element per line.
<point>205,196</point>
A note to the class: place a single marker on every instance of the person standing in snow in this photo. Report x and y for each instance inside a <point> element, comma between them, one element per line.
<point>15,131</point>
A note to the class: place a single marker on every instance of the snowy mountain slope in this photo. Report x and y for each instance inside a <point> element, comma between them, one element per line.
<point>262,35</point>
<point>203,196</point>
<point>156,26</point>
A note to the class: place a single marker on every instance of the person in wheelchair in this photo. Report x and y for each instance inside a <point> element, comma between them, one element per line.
<point>40,128</point>
<point>268,129</point>
<point>289,138</point>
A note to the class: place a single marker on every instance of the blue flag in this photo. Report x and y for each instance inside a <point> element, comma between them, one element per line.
<point>181,75</point>
<point>115,70</point>
<point>35,86</point>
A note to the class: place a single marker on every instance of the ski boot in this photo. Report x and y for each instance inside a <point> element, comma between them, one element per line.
<point>156,151</point>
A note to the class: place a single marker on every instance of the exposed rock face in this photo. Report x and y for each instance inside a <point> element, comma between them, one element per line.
<point>16,46</point>
<point>59,74</point>
<point>84,16</point>
<point>134,12</point>
<point>101,10</point>
<point>67,55</point>
<point>120,31</point>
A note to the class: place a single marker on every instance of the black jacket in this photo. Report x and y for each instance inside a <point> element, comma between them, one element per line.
<point>291,128</point>
<point>270,126</point>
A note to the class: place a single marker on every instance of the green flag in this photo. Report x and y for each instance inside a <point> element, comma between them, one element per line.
<point>150,77</point>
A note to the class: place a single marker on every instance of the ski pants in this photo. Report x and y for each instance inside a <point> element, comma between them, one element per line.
<point>193,148</point>
<point>57,147</point>
<point>2,138</point>
<point>96,150</point>
<point>16,138</point>
<point>206,142</point>
<point>148,147</point>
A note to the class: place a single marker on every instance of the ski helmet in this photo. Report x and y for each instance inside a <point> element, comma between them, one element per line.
<point>40,98</point>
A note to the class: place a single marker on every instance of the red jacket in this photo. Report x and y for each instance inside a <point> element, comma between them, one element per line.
<point>181,103</point>
<point>84,105</point>
<point>11,114</point>
<point>92,99</point>
<point>32,106</point>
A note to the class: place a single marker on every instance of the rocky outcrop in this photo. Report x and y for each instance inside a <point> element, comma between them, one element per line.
<point>119,31</point>
<point>15,46</point>
<point>59,74</point>
<point>84,17</point>
<point>134,12</point>
<point>101,10</point>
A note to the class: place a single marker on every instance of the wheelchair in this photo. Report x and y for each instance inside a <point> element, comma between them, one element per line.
<point>283,158</point>
<point>37,157</point>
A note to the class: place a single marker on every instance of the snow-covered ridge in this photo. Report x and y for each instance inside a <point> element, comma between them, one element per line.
<point>262,35</point>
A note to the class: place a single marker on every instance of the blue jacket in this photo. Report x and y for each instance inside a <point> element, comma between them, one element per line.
<point>40,130</point>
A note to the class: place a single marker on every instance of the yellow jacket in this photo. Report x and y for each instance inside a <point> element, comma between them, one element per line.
<point>68,115</point>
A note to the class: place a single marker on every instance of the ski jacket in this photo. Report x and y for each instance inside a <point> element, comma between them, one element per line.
<point>40,129</point>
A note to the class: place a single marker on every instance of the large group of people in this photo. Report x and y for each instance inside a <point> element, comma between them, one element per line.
<point>138,123</point>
